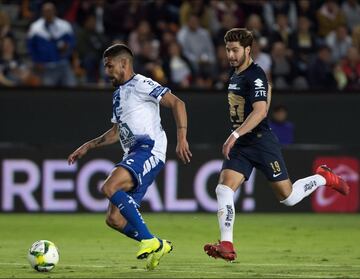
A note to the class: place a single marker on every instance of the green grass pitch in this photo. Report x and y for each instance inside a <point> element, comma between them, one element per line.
<point>268,246</point>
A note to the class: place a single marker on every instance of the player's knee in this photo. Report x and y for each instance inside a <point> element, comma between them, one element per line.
<point>106,190</point>
<point>109,188</point>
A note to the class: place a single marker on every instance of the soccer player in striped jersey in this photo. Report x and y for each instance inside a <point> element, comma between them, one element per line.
<point>137,124</point>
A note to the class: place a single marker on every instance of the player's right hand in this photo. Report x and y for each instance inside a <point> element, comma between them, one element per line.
<point>229,143</point>
<point>77,154</point>
<point>183,151</point>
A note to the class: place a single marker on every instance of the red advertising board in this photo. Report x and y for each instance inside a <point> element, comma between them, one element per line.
<point>325,199</point>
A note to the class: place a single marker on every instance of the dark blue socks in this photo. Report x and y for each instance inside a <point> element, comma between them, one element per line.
<point>128,209</point>
<point>130,231</point>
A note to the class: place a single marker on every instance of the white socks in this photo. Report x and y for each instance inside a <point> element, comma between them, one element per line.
<point>226,211</point>
<point>304,187</point>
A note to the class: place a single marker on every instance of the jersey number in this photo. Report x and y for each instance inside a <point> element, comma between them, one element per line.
<point>275,166</point>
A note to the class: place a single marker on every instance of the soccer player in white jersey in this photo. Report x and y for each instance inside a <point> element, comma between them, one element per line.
<point>136,122</point>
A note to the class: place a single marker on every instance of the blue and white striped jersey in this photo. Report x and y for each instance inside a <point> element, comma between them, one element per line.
<point>136,110</point>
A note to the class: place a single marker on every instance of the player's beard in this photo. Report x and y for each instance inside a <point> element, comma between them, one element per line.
<point>115,82</point>
<point>241,62</point>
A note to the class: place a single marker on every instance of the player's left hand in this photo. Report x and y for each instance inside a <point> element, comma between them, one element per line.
<point>229,143</point>
<point>183,151</point>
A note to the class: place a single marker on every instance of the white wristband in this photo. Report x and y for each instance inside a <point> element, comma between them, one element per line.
<point>235,134</point>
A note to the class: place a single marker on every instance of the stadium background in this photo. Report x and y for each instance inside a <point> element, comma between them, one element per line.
<point>41,123</point>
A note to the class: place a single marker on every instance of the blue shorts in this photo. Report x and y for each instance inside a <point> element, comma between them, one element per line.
<point>143,167</point>
<point>258,150</point>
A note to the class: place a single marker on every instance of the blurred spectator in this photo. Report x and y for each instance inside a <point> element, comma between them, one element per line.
<point>205,77</point>
<point>228,21</point>
<point>51,43</point>
<point>274,7</point>
<point>223,68</point>
<point>230,7</point>
<point>90,46</point>
<point>304,46</point>
<point>167,39</point>
<point>351,10</point>
<point>303,41</point>
<point>340,76</point>
<point>162,16</point>
<point>121,17</point>
<point>197,44</point>
<point>177,67</point>
<point>281,31</point>
<point>12,71</point>
<point>198,8</point>
<point>148,64</point>
<point>139,35</point>
<point>306,8</point>
<point>30,9</point>
<point>282,69</point>
<point>261,58</point>
<point>351,69</point>
<point>320,73</point>
<point>93,8</point>
<point>281,126</point>
<point>5,27</point>
<point>329,17</point>
<point>256,26</point>
<point>11,8</point>
<point>339,42</point>
<point>355,37</point>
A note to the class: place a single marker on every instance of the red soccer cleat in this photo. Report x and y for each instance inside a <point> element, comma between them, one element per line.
<point>332,180</point>
<point>224,250</point>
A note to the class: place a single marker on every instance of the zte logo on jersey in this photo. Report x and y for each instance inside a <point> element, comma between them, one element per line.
<point>260,93</point>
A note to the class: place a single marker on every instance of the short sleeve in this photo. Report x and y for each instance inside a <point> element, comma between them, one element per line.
<point>152,89</point>
<point>258,87</point>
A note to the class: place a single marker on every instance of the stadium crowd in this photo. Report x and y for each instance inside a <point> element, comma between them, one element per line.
<point>300,44</point>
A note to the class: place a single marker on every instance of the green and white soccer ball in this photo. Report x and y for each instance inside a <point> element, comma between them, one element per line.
<point>43,255</point>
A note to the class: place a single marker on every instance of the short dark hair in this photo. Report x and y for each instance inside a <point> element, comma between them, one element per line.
<point>241,35</point>
<point>118,49</point>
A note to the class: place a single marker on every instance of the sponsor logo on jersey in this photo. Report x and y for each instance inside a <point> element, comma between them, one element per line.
<point>233,86</point>
<point>259,84</point>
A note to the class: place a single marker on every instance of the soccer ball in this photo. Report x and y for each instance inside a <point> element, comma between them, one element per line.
<point>43,255</point>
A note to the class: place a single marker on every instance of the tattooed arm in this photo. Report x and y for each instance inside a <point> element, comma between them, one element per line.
<point>109,137</point>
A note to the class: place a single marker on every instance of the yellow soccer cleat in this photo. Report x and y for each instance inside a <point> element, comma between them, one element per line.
<point>147,246</point>
<point>154,259</point>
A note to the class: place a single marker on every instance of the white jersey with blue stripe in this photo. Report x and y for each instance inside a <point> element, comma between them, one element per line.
<point>136,110</point>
